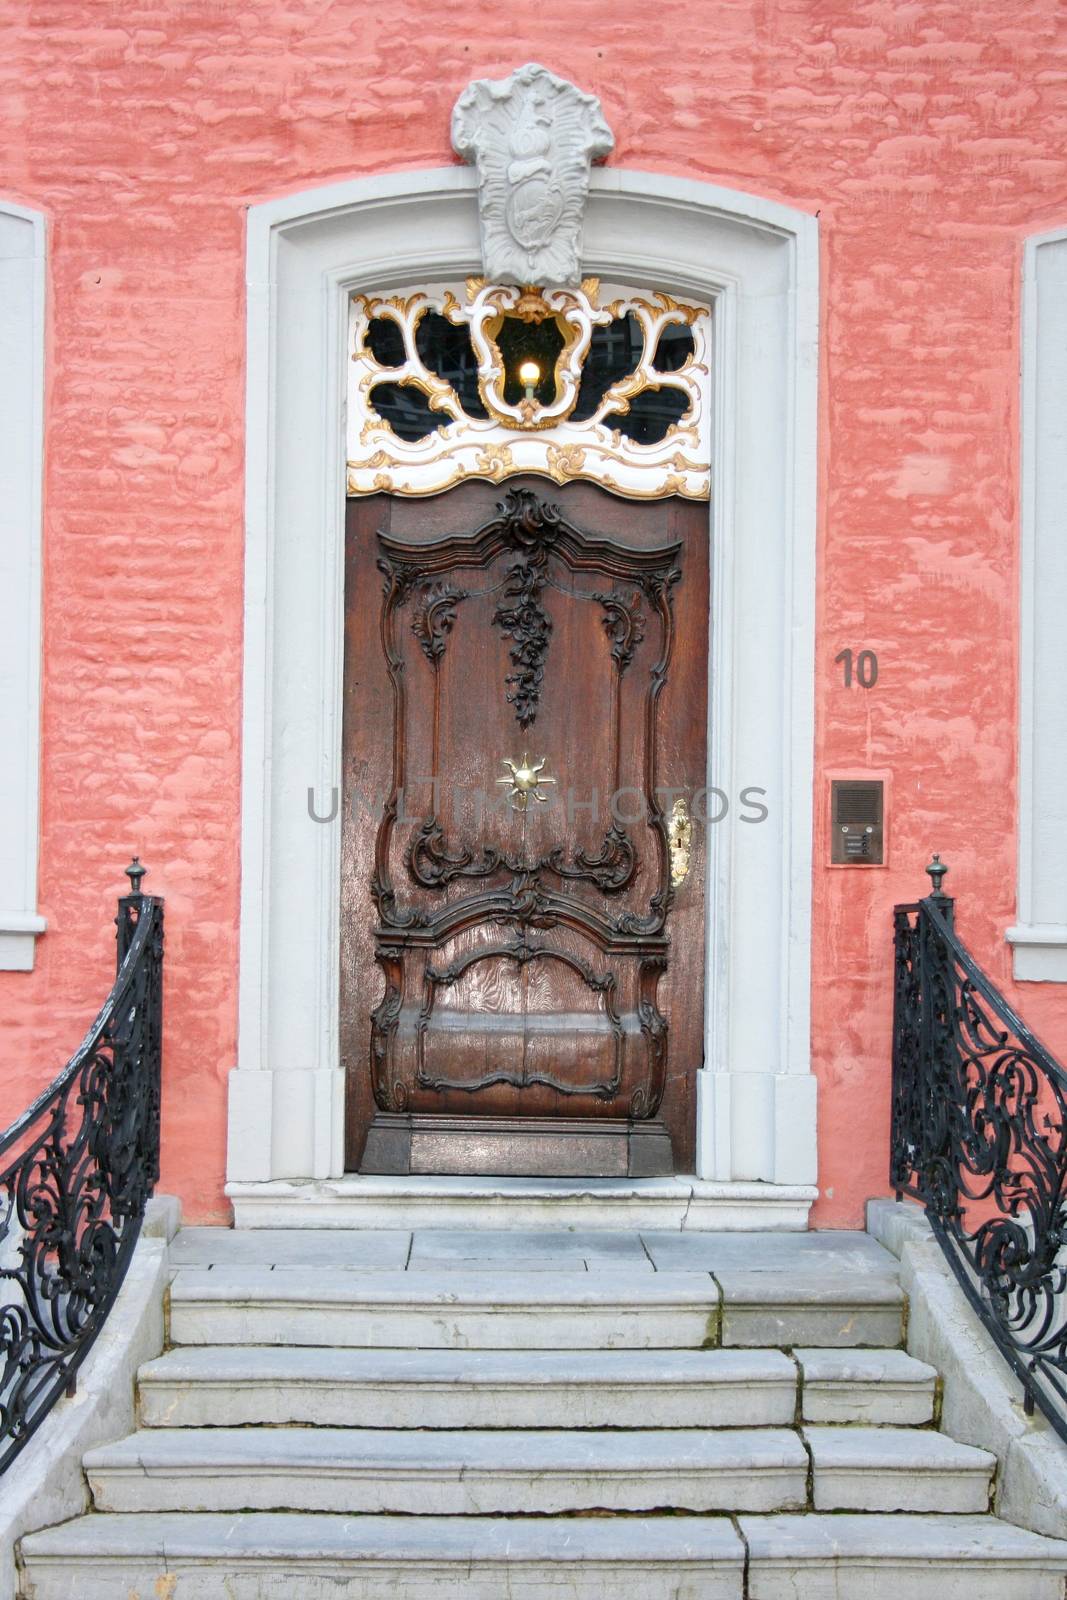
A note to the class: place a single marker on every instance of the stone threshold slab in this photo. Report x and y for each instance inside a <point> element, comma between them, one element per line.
<point>679,1203</point>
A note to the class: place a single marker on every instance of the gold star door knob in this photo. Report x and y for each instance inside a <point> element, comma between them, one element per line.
<point>525,778</point>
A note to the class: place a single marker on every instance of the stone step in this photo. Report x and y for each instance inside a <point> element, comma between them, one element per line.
<point>470,1473</point>
<point>449,1310</point>
<point>897,1469</point>
<point>869,1386</point>
<point>459,1309</point>
<point>236,1385</point>
<point>260,1556</point>
<point>897,1558</point>
<point>832,1308</point>
<point>481,1472</point>
<point>301,1557</point>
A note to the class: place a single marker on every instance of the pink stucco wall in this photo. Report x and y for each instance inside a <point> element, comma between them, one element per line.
<point>929,138</point>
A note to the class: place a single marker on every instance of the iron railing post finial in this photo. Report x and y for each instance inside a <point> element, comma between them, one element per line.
<point>129,910</point>
<point>944,902</point>
<point>937,870</point>
<point>135,872</point>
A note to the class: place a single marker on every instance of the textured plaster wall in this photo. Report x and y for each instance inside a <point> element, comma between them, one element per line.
<point>930,138</point>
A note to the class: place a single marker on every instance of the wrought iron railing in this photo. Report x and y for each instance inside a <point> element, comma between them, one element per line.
<point>76,1172</point>
<point>979,1136</point>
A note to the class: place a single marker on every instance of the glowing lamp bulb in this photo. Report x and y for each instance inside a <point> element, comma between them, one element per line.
<point>529,377</point>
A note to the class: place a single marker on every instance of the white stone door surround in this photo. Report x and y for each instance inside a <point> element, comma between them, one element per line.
<point>758,263</point>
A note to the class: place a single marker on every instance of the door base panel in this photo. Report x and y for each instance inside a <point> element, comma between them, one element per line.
<point>523,1147</point>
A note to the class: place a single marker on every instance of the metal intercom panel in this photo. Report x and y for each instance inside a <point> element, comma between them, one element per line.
<point>857,822</point>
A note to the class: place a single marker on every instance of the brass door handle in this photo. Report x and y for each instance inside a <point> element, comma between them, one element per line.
<point>679,841</point>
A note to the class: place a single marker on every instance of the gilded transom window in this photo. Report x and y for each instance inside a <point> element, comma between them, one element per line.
<point>479,380</point>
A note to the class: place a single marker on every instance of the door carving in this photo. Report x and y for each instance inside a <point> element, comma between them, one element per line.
<point>524,703</point>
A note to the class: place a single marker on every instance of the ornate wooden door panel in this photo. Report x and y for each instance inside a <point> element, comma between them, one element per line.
<point>525,697</point>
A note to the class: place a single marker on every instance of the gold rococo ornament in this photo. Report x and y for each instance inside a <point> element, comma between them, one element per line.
<point>534,430</point>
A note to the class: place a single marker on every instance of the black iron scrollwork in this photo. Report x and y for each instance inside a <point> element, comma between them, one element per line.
<point>979,1137</point>
<point>76,1172</point>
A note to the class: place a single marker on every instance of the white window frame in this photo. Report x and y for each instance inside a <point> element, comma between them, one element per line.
<point>22,301</point>
<point>1039,937</point>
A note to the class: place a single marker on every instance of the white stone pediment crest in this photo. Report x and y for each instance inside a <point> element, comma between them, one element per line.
<point>532,137</point>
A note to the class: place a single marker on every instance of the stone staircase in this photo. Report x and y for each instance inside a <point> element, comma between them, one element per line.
<point>537,1416</point>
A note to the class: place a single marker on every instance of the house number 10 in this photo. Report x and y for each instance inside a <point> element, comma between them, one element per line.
<point>863,670</point>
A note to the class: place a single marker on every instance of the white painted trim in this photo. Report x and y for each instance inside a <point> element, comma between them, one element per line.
<point>22,309</point>
<point>1039,953</point>
<point>758,262</point>
<point>1039,938</point>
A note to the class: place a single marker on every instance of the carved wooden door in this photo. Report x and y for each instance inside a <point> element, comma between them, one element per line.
<point>524,709</point>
